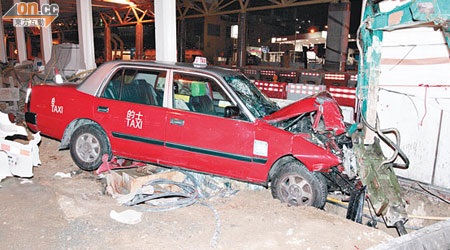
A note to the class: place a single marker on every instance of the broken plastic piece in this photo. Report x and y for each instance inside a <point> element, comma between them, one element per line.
<point>16,158</point>
<point>26,181</point>
<point>9,129</point>
<point>63,175</point>
<point>130,217</point>
<point>58,77</point>
<point>116,163</point>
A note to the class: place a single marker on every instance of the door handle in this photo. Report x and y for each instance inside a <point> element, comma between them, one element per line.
<point>102,109</point>
<point>177,122</point>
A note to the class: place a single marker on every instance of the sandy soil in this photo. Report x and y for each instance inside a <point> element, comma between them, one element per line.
<point>73,213</point>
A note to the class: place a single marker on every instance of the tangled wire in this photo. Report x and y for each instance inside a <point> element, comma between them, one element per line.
<point>160,200</point>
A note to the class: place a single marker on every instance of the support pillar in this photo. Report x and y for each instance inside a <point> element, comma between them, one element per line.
<point>182,40</point>
<point>165,30</point>
<point>108,52</point>
<point>29,48</point>
<point>139,43</point>
<point>86,33</point>
<point>242,40</point>
<point>46,39</point>
<point>20,42</point>
<point>337,36</point>
<point>3,57</point>
<point>11,50</point>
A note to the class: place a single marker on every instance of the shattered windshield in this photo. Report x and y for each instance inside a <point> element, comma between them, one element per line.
<point>258,104</point>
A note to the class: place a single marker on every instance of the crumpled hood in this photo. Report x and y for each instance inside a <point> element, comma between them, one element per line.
<point>323,103</point>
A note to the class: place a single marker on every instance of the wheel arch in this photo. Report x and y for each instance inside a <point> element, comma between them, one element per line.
<point>73,125</point>
<point>277,165</point>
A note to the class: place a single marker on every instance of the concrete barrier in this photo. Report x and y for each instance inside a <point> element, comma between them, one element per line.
<point>436,236</point>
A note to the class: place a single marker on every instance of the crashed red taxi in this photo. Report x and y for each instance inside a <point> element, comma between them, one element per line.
<point>205,119</point>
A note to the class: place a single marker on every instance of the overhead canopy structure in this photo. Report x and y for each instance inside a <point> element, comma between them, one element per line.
<point>201,8</point>
<point>128,12</point>
<point>109,13</point>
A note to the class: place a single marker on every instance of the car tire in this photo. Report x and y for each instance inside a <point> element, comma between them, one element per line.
<point>323,187</point>
<point>296,185</point>
<point>87,146</point>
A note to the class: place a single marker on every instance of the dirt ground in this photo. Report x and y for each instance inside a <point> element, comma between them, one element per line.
<point>73,213</point>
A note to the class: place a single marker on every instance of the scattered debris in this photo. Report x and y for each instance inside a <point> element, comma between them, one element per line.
<point>168,190</point>
<point>129,216</point>
<point>116,163</point>
<point>76,172</point>
<point>118,185</point>
<point>63,175</point>
<point>123,186</point>
<point>164,200</point>
<point>210,186</point>
<point>26,181</point>
<point>16,158</point>
<point>186,195</point>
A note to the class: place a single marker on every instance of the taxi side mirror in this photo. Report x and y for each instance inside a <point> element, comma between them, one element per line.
<point>231,111</point>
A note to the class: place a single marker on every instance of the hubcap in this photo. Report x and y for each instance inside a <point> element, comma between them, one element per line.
<point>87,147</point>
<point>296,190</point>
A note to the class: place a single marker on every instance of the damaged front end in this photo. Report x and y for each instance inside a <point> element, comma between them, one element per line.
<point>362,169</point>
<point>318,119</point>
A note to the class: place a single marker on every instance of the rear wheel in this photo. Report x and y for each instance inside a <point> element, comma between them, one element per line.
<point>296,185</point>
<point>87,146</point>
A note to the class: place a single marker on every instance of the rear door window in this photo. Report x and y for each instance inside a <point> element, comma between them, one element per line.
<point>137,86</point>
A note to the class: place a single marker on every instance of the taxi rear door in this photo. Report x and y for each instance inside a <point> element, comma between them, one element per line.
<point>131,111</point>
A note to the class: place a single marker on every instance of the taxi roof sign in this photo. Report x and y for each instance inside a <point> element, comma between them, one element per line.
<point>200,62</point>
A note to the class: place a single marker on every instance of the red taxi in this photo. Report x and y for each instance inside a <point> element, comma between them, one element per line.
<point>204,119</point>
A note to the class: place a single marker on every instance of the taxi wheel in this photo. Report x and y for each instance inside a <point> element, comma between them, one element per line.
<point>297,186</point>
<point>87,146</point>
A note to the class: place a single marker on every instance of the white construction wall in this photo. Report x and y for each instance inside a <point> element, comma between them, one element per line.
<point>414,96</point>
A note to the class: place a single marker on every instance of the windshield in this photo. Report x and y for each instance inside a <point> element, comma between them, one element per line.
<point>256,102</point>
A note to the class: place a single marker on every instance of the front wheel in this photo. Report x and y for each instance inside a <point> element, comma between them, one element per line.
<point>296,185</point>
<point>87,146</point>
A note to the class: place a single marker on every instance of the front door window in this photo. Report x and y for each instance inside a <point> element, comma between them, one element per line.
<point>199,94</point>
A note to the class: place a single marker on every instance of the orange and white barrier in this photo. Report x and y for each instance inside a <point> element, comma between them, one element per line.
<point>297,91</point>
<point>335,79</point>
<point>311,78</point>
<point>332,76</point>
<point>310,74</point>
<point>268,72</point>
<point>272,89</point>
<point>343,95</point>
<point>250,71</point>
<point>291,74</point>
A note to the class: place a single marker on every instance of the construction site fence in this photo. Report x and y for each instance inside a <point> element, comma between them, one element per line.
<point>295,91</point>
<point>303,76</point>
